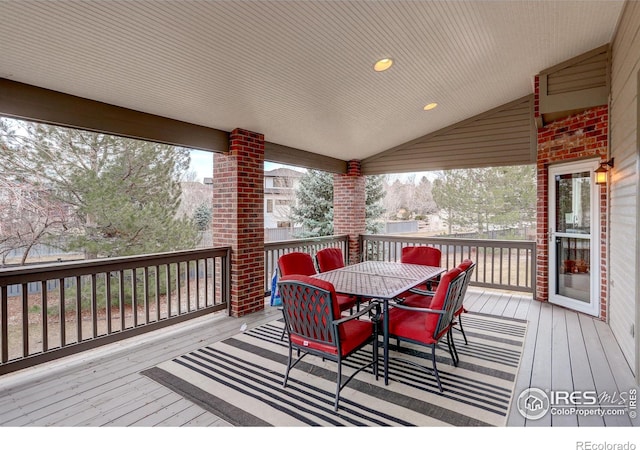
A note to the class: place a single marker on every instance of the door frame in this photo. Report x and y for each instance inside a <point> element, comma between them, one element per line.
<point>593,307</point>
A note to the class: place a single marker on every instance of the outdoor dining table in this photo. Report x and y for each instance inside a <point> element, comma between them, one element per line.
<point>381,280</point>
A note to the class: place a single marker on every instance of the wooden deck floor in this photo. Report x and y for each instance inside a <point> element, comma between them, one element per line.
<point>564,350</point>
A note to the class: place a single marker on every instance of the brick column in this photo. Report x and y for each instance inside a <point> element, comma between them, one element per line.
<point>238,217</point>
<point>581,136</point>
<point>349,214</point>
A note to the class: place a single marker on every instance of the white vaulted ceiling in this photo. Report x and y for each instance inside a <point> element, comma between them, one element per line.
<point>300,71</point>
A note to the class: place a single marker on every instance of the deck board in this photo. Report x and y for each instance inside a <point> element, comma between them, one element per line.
<point>541,368</point>
<point>580,361</point>
<point>617,363</point>
<point>602,374</point>
<point>103,387</point>
<point>561,375</point>
<point>523,381</point>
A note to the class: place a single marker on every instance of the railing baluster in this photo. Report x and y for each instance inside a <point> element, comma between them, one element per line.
<point>157,281</point>
<point>121,298</point>
<point>134,296</point>
<point>205,290</point>
<point>44,315</point>
<point>78,309</point>
<point>188,283</point>
<point>94,306</point>
<point>168,289</point>
<point>179,287</point>
<point>25,319</point>
<point>63,313</point>
<point>107,293</point>
<point>4,325</point>
<point>145,282</point>
<point>198,284</point>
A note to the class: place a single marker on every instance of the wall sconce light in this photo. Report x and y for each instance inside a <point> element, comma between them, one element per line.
<point>601,172</point>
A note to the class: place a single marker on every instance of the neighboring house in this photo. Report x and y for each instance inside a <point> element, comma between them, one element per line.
<point>279,195</point>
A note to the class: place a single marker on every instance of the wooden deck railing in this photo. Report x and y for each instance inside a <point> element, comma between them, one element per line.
<point>506,265</point>
<point>53,310</point>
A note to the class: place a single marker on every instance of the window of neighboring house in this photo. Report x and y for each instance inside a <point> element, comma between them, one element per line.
<point>281,182</point>
<point>269,206</point>
<point>283,202</point>
<point>284,224</point>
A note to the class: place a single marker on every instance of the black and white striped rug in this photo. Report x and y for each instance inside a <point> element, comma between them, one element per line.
<point>240,380</point>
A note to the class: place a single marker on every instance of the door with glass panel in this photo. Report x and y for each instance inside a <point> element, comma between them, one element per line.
<point>574,272</point>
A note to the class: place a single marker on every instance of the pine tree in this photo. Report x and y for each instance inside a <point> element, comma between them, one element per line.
<point>123,193</point>
<point>374,194</point>
<point>202,216</point>
<point>314,204</point>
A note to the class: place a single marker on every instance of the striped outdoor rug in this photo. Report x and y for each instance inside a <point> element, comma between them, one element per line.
<point>240,380</point>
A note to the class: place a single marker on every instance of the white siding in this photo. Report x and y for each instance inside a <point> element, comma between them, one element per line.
<point>623,299</point>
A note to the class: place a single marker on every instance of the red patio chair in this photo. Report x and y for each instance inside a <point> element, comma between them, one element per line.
<point>427,326</point>
<point>315,326</point>
<point>300,263</point>
<point>330,259</point>
<point>419,299</point>
<point>296,263</point>
<point>424,255</point>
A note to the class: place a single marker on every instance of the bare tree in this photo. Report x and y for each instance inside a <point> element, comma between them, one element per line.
<point>30,216</point>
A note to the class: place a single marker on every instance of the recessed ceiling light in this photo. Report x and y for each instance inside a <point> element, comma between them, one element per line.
<point>430,106</point>
<point>383,64</point>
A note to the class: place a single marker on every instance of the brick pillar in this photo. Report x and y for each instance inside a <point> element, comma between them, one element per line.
<point>238,217</point>
<point>580,136</point>
<point>349,214</point>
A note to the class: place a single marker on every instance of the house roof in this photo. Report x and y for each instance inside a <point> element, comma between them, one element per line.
<point>283,172</point>
<point>300,72</point>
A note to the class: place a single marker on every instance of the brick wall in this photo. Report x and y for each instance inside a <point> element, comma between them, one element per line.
<point>238,217</point>
<point>580,136</point>
<point>349,214</point>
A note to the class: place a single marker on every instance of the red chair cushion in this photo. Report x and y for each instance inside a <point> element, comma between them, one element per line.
<point>329,259</point>
<point>410,325</point>
<point>417,300</point>
<point>424,255</point>
<point>296,263</point>
<point>427,256</point>
<point>431,321</point>
<point>346,302</point>
<point>352,334</point>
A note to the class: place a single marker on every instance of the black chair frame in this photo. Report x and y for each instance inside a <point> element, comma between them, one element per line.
<point>327,327</point>
<point>445,322</point>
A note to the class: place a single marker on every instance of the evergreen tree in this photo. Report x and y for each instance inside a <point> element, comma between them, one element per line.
<point>202,216</point>
<point>314,204</point>
<point>123,193</point>
<point>374,194</point>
